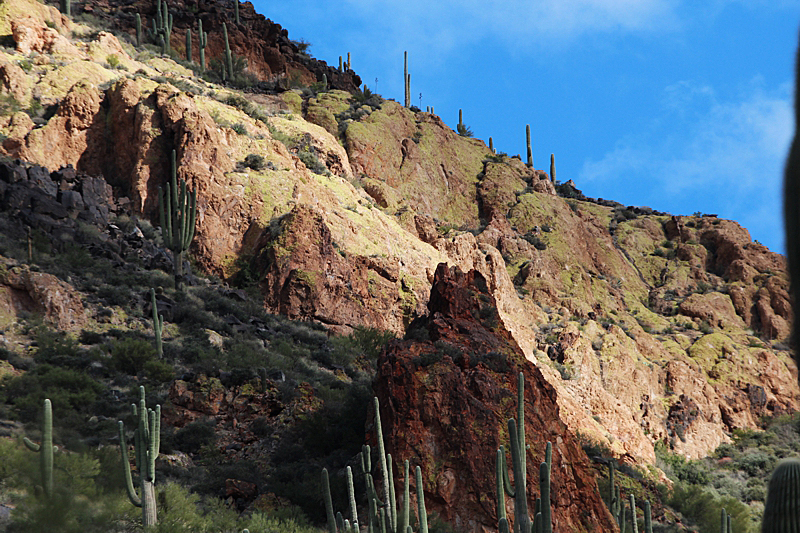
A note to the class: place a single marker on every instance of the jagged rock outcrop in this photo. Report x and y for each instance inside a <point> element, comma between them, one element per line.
<point>445,401</point>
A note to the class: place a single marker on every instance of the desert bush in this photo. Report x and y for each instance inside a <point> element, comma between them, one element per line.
<point>129,355</point>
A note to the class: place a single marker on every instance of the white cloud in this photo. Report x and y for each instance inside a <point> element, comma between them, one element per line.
<point>726,155</point>
<point>445,24</point>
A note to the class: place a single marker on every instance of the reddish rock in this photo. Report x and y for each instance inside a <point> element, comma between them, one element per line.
<point>445,403</point>
<point>24,290</point>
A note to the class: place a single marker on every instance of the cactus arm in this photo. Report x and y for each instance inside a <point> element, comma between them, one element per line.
<point>506,480</point>
<point>501,497</point>
<point>32,446</point>
<point>126,466</point>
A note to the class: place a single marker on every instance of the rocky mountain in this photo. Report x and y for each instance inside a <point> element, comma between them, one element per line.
<point>633,327</point>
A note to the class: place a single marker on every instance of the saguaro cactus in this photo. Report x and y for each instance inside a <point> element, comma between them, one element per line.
<point>158,323</point>
<point>146,439</point>
<point>162,27</point>
<point>203,36</point>
<point>228,56</point>
<point>66,7</point>
<point>177,211</point>
<point>634,524</point>
<point>491,145</point>
<point>236,11</point>
<point>528,140</point>
<point>406,81</point>
<point>516,430</point>
<point>189,45</point>
<point>138,30</point>
<point>783,498</point>
<point>553,168</point>
<point>648,518</point>
<point>45,449</point>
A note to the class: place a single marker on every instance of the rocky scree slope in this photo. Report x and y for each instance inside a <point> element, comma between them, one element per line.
<point>649,327</point>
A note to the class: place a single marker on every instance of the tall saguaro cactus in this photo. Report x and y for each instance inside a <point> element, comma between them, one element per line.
<point>138,30</point>
<point>162,27</point>
<point>516,430</point>
<point>553,168</point>
<point>66,7</point>
<point>406,81</point>
<point>528,140</point>
<point>203,36</point>
<point>146,439</point>
<point>189,45</point>
<point>177,212</point>
<point>228,57</point>
<point>45,449</point>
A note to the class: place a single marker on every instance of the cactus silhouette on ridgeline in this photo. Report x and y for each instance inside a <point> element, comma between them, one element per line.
<point>45,449</point>
<point>407,82</point>
<point>783,498</point>
<point>348,65</point>
<point>158,323</point>
<point>177,211</point>
<point>203,36</point>
<point>491,145</point>
<point>528,141</point>
<point>553,168</point>
<point>341,67</point>
<point>146,442</point>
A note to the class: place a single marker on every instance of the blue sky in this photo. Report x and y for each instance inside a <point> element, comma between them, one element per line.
<point>680,105</point>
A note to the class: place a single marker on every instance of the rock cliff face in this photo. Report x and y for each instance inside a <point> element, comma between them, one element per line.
<point>445,401</point>
<point>650,327</point>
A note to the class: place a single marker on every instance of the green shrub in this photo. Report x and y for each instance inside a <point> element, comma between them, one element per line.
<point>255,161</point>
<point>129,355</point>
<point>67,389</point>
<point>312,162</point>
<point>239,128</point>
<point>195,436</point>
